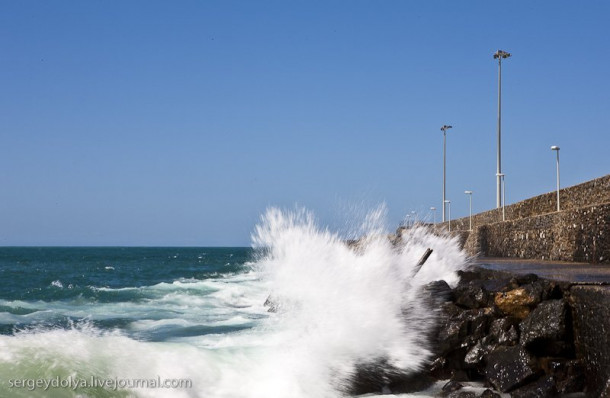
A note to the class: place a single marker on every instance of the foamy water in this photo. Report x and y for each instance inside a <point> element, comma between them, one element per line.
<point>338,307</point>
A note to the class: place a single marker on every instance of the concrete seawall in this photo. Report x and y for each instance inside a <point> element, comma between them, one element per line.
<point>535,230</point>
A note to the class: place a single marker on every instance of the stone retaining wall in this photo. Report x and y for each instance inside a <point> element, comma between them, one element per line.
<point>577,235</point>
<point>589,193</point>
<point>535,230</point>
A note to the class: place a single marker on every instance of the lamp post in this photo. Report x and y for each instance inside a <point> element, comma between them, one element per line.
<point>501,176</point>
<point>449,203</point>
<point>499,55</point>
<point>469,193</point>
<point>433,209</point>
<point>444,130</point>
<point>556,148</point>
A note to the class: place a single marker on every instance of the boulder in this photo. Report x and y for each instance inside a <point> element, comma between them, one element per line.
<point>541,388</point>
<point>437,293</point>
<point>271,303</point>
<point>489,394</point>
<point>472,295</point>
<point>517,303</point>
<point>510,367</point>
<point>463,394</point>
<point>605,391</point>
<point>568,373</point>
<point>544,330</point>
<point>379,375</point>
<point>476,355</point>
<point>452,386</point>
<point>463,328</point>
<point>504,331</point>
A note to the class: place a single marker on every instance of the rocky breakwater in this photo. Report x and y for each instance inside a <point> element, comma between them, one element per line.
<point>513,332</point>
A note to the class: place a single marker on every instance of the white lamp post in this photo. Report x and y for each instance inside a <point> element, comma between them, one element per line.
<point>433,209</point>
<point>501,176</point>
<point>499,55</point>
<point>444,130</point>
<point>556,148</point>
<point>469,193</point>
<point>449,203</point>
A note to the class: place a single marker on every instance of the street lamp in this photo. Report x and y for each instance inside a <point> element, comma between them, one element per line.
<point>469,193</point>
<point>499,55</point>
<point>444,130</point>
<point>501,176</point>
<point>433,214</point>
<point>449,203</point>
<point>556,148</point>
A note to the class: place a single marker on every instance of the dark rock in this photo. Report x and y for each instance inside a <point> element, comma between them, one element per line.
<point>438,292</point>
<point>412,382</point>
<point>504,331</point>
<point>544,330</point>
<point>526,279</point>
<point>500,284</point>
<point>489,394</point>
<point>379,375</point>
<point>271,303</point>
<point>439,369</point>
<point>471,295</point>
<point>541,388</point>
<point>568,373</point>
<point>590,308</point>
<point>464,328</point>
<point>463,394</point>
<point>605,391</point>
<point>510,367</point>
<point>476,274</point>
<point>452,386</point>
<point>460,375</point>
<point>476,355</point>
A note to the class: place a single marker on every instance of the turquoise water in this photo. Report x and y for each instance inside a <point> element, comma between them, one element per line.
<point>191,322</point>
<point>110,288</point>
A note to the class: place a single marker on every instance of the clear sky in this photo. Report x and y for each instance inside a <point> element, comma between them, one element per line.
<point>180,122</point>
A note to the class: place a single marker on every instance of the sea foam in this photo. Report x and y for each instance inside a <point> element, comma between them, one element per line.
<point>339,307</point>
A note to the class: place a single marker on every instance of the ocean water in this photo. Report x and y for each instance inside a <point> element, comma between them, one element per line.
<point>191,322</point>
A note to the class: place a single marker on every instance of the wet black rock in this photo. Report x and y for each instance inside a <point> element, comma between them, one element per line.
<point>489,394</point>
<point>569,374</point>
<point>437,293</point>
<point>476,355</point>
<point>544,330</point>
<point>513,332</point>
<point>526,279</point>
<point>271,303</point>
<point>464,328</point>
<point>541,388</point>
<point>504,331</point>
<point>379,376</point>
<point>463,394</point>
<point>452,386</point>
<point>510,367</point>
<point>472,295</point>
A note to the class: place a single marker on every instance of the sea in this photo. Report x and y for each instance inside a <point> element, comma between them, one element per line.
<point>195,321</point>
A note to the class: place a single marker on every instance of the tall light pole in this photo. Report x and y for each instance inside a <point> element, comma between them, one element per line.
<point>556,148</point>
<point>501,176</point>
<point>449,203</point>
<point>433,209</point>
<point>469,193</point>
<point>444,130</point>
<point>499,55</point>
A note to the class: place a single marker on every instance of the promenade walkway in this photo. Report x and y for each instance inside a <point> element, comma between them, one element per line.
<point>578,273</point>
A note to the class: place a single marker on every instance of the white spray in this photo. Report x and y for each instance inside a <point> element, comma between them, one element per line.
<point>339,307</point>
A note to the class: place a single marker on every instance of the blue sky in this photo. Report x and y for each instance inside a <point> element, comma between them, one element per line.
<point>178,123</point>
